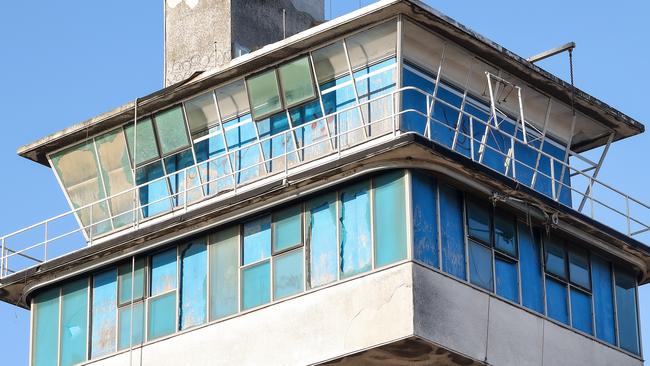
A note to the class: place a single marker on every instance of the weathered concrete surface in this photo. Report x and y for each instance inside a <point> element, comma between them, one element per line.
<point>204,34</point>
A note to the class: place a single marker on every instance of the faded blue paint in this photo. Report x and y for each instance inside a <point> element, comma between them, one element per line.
<point>530,262</point>
<point>321,236</point>
<point>338,100</point>
<point>162,316</point>
<point>104,313</point>
<point>215,174</point>
<point>124,337</point>
<point>425,219</point>
<point>153,196</point>
<point>256,285</point>
<point>257,240</point>
<point>288,278</point>
<point>507,283</point>
<point>505,234</point>
<point>451,230</point>
<point>163,272</point>
<point>74,322</point>
<point>193,290</point>
<point>601,274</point>
<point>45,328</point>
<point>556,300</point>
<point>311,130</point>
<point>378,112</point>
<point>356,241</point>
<point>224,268</point>
<point>445,117</point>
<point>277,142</point>
<point>479,222</point>
<point>628,331</point>
<point>480,266</point>
<point>390,218</point>
<point>241,138</point>
<point>414,102</point>
<point>287,228</point>
<point>581,314</point>
<point>185,183</point>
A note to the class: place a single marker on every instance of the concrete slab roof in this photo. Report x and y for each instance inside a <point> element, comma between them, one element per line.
<point>621,124</point>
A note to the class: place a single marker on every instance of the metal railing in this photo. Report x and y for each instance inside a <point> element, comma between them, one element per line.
<point>66,233</point>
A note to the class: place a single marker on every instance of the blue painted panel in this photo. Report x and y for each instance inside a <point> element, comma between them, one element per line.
<point>579,268</point>
<point>415,101</point>
<point>45,328</point>
<point>480,266</point>
<point>287,228</point>
<point>628,331</point>
<point>356,240</point>
<point>507,279</point>
<point>530,262</point>
<point>163,272</point>
<point>162,316</point>
<point>125,338</point>
<point>321,234</point>
<point>224,273</point>
<point>257,240</point>
<point>452,233</point>
<point>479,222</point>
<point>153,196</point>
<point>390,218</point>
<point>288,278</point>
<point>581,314</point>
<point>601,274</point>
<point>556,300</point>
<point>74,322</point>
<point>104,313</point>
<point>446,117</point>
<point>193,291</point>
<point>425,220</point>
<point>256,285</point>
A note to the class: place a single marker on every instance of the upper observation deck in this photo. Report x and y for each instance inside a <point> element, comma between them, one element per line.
<point>345,87</point>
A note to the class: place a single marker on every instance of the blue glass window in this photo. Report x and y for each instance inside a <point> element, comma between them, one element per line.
<point>216,173</point>
<point>162,304</point>
<point>480,265</point>
<point>506,278</point>
<point>185,183</point>
<point>288,278</point>
<point>287,228</point>
<point>579,268</point>
<point>277,144</point>
<point>581,314</point>
<point>555,258</point>
<point>479,222</point>
<point>530,261</point>
<point>246,156</point>
<point>163,272</point>
<point>45,328</point>
<point>129,286</point>
<point>445,116</point>
<point>414,103</point>
<point>601,274</point>
<point>425,219</point>
<point>104,313</point>
<point>74,326</point>
<point>257,240</point>
<point>154,197</point>
<point>628,331</point>
<point>256,285</point>
<point>193,290</point>
<point>321,234</point>
<point>451,230</point>
<point>556,300</point>
<point>224,273</point>
<point>124,338</point>
<point>312,132</point>
<point>505,235</point>
<point>356,245</point>
<point>390,218</point>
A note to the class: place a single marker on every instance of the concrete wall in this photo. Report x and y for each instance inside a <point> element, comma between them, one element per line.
<point>344,318</point>
<point>484,328</point>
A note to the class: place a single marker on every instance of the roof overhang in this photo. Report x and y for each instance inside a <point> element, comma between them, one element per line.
<point>621,125</point>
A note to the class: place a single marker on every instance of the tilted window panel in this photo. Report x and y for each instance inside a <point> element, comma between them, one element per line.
<point>296,79</point>
<point>232,100</point>
<point>287,228</point>
<point>479,222</point>
<point>131,282</point>
<point>143,147</point>
<point>171,130</point>
<point>264,94</point>
<point>201,114</point>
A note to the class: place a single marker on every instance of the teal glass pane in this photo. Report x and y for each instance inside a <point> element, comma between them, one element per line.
<point>172,133</point>
<point>603,299</point>
<point>479,222</point>
<point>425,219</point>
<point>124,337</point>
<point>505,234</point>
<point>154,197</point>
<point>556,300</point>
<point>256,285</point>
<point>581,314</point>
<point>287,228</point>
<point>480,265</point>
<point>104,314</point>
<point>356,241</point>
<point>45,328</point>
<point>555,258</point>
<point>579,268</point>
<point>626,311</point>
<point>506,279</point>
<point>74,322</point>
<point>451,231</point>
<point>194,286</point>
<point>145,143</point>
<point>162,316</point>
<point>163,272</point>
<point>257,240</point>
<point>390,218</point>
<point>321,236</point>
<point>264,94</point>
<point>288,278</point>
<point>131,285</point>
<point>224,268</point>
<point>297,81</point>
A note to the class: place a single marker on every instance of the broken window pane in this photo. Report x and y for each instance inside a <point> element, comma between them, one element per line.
<point>581,315</point>
<point>601,273</point>
<point>628,331</point>
<point>257,240</point>
<point>74,322</point>
<point>104,313</point>
<point>330,62</point>
<point>555,258</point>
<point>372,45</point>
<point>124,338</point>
<point>256,285</point>
<point>147,148</point>
<point>131,286</point>
<point>579,268</point>
<point>162,315</point>
<point>505,236</point>
<point>264,94</point>
<point>356,244</point>
<point>321,235</point>
<point>224,267</point>
<point>390,218</point>
<point>480,265</point>
<point>45,326</point>
<point>479,222</point>
<point>194,276</point>
<point>297,81</point>
<point>163,272</point>
<point>530,260</point>
<point>172,133</point>
<point>288,276</point>
<point>556,300</point>
<point>507,283</point>
<point>287,228</point>
<point>201,113</point>
<point>154,197</point>
<point>232,100</point>
<point>451,230</point>
<point>425,219</point>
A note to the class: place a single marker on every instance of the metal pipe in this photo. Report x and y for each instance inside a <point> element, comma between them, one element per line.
<point>552,52</point>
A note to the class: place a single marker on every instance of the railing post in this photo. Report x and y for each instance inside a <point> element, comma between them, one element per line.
<point>471,136</point>
<point>394,115</point>
<point>2,259</point>
<point>627,210</point>
<point>429,108</point>
<point>186,188</point>
<point>552,161</point>
<point>90,231</point>
<point>46,240</point>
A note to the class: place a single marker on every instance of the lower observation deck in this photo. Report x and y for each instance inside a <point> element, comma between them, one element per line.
<point>487,141</point>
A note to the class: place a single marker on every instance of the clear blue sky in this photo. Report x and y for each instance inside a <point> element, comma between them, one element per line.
<point>65,61</point>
